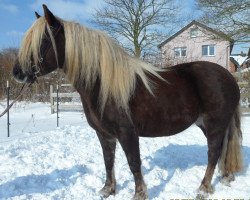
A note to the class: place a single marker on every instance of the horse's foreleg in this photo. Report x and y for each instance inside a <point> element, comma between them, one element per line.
<point>108,147</point>
<point>130,144</point>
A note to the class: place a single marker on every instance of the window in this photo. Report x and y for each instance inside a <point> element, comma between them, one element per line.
<point>180,52</point>
<point>193,32</point>
<point>208,50</point>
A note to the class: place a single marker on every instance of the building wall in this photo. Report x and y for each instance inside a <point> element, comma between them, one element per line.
<point>194,48</point>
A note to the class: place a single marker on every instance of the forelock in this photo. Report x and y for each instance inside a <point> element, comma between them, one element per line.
<point>30,46</point>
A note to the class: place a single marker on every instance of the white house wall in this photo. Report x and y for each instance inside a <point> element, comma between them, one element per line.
<point>194,48</point>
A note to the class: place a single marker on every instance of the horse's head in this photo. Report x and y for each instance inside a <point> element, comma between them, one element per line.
<point>42,49</point>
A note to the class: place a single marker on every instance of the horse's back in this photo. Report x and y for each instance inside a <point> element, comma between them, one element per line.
<point>191,90</point>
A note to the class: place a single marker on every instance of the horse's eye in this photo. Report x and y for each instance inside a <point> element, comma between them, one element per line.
<point>34,69</point>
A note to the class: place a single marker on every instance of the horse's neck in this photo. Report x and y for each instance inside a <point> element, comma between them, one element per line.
<point>90,104</point>
<point>89,96</point>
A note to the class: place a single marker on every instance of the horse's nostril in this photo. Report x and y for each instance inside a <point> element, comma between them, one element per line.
<point>15,71</point>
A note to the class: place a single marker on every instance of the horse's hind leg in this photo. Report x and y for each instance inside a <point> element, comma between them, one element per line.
<point>130,144</point>
<point>108,147</point>
<point>215,133</point>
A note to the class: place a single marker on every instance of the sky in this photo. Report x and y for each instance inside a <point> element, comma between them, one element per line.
<point>16,16</point>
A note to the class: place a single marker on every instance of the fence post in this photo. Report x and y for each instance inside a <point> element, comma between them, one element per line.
<point>8,113</point>
<point>57,106</point>
<point>51,100</point>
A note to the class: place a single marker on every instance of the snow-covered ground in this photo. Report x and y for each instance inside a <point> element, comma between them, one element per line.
<point>40,161</point>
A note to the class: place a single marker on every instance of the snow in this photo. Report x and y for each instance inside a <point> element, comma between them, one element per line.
<point>41,161</point>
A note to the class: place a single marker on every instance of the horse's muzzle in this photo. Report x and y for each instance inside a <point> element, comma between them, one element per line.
<point>22,77</point>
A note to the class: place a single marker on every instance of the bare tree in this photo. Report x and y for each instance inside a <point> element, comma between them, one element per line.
<point>137,24</point>
<point>230,16</point>
<point>7,58</point>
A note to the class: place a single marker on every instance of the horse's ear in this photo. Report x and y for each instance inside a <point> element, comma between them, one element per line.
<point>37,15</point>
<point>50,18</point>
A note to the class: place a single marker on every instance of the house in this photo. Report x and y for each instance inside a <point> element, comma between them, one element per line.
<point>196,42</point>
<point>246,63</point>
<point>239,62</point>
<point>234,65</point>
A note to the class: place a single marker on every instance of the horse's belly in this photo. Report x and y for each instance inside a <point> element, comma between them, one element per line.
<point>167,128</point>
<point>168,120</point>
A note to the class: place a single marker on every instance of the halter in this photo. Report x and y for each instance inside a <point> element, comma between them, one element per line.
<point>37,68</point>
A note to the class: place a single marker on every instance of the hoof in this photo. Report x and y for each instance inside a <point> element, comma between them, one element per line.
<point>141,192</point>
<point>140,196</point>
<point>201,196</point>
<point>227,179</point>
<point>207,189</point>
<point>106,191</point>
<point>204,192</point>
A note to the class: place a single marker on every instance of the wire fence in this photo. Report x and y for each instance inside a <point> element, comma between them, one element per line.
<point>58,106</point>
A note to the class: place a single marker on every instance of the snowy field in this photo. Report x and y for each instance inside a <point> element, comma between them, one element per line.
<point>40,161</point>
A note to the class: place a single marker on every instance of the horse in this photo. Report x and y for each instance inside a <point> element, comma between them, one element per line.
<point>125,98</point>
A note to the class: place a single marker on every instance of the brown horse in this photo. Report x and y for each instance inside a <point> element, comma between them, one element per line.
<point>124,98</point>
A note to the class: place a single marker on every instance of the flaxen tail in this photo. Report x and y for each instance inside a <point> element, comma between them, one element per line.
<point>231,157</point>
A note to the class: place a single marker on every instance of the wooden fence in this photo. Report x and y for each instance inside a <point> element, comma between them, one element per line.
<point>244,85</point>
<point>245,96</point>
<point>72,103</point>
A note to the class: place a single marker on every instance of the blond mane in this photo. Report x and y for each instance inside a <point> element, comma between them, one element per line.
<point>31,43</point>
<point>90,54</point>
